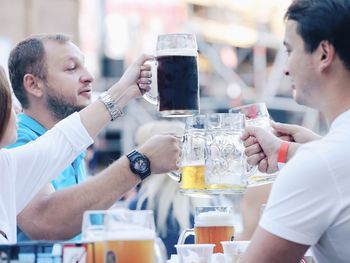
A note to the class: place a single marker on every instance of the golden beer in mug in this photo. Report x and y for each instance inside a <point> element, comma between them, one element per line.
<point>95,251</point>
<point>131,246</point>
<point>192,177</point>
<point>131,237</point>
<point>212,225</point>
<point>93,234</point>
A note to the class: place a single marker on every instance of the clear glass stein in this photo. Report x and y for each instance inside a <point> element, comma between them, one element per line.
<point>225,161</point>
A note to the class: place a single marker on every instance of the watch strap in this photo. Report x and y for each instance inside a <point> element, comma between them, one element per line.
<point>111,106</point>
<point>132,156</point>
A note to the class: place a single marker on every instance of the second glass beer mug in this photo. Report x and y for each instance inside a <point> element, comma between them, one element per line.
<point>212,224</point>
<point>191,176</point>
<point>131,237</point>
<point>225,161</point>
<point>192,159</point>
<point>177,76</point>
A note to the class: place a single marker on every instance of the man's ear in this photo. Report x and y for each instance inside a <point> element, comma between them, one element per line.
<point>326,54</point>
<point>33,85</point>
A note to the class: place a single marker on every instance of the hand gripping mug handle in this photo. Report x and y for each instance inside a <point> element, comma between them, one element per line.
<point>184,235</point>
<point>248,170</point>
<point>147,95</point>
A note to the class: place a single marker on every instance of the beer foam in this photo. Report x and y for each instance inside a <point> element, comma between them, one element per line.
<point>177,52</point>
<point>214,218</point>
<point>134,233</point>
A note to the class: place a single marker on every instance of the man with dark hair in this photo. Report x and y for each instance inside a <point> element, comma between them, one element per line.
<point>309,205</point>
<point>50,80</point>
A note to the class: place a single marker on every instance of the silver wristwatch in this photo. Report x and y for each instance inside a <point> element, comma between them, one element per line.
<point>112,108</point>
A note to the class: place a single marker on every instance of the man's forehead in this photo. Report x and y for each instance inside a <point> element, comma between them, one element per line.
<point>62,50</point>
<point>290,31</point>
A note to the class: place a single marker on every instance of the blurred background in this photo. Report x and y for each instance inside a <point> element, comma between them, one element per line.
<point>241,57</point>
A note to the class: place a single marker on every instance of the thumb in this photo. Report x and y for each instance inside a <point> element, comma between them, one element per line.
<point>249,131</point>
<point>284,128</point>
<point>142,59</point>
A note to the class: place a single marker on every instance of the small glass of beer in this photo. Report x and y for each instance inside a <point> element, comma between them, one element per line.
<point>195,253</point>
<point>234,250</point>
<point>256,114</point>
<point>130,237</point>
<point>93,233</point>
<point>225,161</point>
<point>212,224</point>
<point>177,76</point>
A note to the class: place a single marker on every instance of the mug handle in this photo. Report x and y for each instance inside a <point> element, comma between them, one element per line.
<point>148,96</point>
<point>250,169</point>
<point>160,251</point>
<point>184,235</point>
<point>176,176</point>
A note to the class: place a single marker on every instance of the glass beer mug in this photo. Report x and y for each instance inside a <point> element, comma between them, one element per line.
<point>256,114</point>
<point>191,176</point>
<point>212,224</point>
<point>225,161</point>
<point>131,237</point>
<point>177,76</point>
<point>93,233</point>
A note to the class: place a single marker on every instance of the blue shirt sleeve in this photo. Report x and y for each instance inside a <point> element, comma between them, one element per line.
<point>23,137</point>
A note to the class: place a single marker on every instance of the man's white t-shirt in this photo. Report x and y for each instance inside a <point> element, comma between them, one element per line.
<point>26,169</point>
<point>310,200</point>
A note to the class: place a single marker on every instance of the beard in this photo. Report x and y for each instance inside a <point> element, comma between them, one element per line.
<point>60,107</point>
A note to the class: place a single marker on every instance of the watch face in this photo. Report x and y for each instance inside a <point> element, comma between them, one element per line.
<point>140,164</point>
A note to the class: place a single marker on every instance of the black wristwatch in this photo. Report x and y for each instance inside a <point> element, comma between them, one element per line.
<point>139,164</point>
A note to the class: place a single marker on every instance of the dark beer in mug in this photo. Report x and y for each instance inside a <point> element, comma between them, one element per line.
<point>177,77</point>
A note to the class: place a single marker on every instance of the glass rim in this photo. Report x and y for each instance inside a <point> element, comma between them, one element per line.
<point>214,206</point>
<point>247,106</point>
<point>194,245</point>
<point>222,114</point>
<point>176,34</point>
<point>96,211</point>
<point>236,242</point>
<point>116,211</point>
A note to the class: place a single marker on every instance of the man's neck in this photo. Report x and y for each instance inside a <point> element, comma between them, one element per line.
<point>43,116</point>
<point>336,95</point>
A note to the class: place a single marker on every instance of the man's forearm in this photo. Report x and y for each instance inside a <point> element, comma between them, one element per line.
<point>58,215</point>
